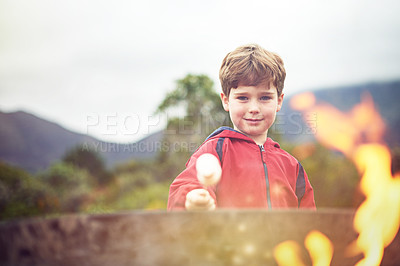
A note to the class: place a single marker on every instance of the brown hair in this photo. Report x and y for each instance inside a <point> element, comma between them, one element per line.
<point>251,65</point>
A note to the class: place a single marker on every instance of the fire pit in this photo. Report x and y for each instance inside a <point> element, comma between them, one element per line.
<point>223,237</point>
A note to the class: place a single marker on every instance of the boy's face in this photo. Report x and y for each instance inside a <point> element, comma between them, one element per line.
<point>253,109</point>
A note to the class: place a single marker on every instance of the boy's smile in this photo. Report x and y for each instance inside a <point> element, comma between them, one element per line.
<point>253,109</point>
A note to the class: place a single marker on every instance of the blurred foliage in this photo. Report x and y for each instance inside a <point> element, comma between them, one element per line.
<point>196,94</point>
<point>90,160</point>
<point>71,184</point>
<point>22,195</point>
<point>136,185</point>
<point>65,188</point>
<point>333,176</point>
<point>203,111</point>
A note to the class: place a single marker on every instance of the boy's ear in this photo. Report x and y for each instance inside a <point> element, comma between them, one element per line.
<point>280,102</point>
<point>225,102</point>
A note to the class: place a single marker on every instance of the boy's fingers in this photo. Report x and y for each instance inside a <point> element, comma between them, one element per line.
<point>203,201</point>
<point>209,206</point>
<point>198,194</point>
<point>199,199</point>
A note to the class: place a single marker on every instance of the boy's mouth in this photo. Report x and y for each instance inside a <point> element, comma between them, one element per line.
<point>252,120</point>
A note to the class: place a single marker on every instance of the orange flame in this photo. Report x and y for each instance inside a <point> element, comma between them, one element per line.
<point>318,245</point>
<point>288,253</point>
<point>378,218</point>
<point>358,134</point>
<point>342,131</point>
<point>320,248</point>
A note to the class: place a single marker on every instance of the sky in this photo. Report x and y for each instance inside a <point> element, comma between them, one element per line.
<point>102,67</point>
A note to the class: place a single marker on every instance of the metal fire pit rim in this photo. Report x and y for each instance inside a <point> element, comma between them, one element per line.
<point>153,213</point>
<point>131,237</point>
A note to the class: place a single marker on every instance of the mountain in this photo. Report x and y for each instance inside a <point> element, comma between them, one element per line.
<point>32,143</point>
<point>385,95</point>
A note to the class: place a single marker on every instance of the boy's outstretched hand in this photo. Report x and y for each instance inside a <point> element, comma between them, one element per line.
<point>199,199</point>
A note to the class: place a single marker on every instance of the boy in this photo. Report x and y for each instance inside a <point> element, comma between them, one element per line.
<point>256,173</point>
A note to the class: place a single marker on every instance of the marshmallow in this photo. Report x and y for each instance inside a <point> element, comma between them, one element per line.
<point>208,169</point>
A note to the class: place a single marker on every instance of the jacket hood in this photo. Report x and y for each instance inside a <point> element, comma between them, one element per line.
<point>227,132</point>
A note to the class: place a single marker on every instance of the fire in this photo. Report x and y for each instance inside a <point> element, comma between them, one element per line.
<point>288,253</point>
<point>343,131</point>
<point>378,218</point>
<point>303,101</point>
<point>320,248</point>
<point>358,135</point>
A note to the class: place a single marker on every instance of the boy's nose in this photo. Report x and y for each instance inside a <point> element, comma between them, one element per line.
<point>254,107</point>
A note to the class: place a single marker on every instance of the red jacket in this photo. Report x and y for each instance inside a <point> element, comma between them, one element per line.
<point>252,176</point>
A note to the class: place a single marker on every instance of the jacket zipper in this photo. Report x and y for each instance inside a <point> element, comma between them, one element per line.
<point>266,176</point>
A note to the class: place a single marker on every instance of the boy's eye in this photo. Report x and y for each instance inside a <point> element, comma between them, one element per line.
<point>265,98</point>
<point>242,98</point>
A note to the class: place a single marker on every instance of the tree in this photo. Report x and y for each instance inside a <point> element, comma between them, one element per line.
<point>90,160</point>
<point>201,104</point>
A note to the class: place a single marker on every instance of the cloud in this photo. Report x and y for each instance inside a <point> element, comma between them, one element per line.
<point>65,60</point>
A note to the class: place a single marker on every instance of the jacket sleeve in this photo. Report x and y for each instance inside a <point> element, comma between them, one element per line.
<point>187,180</point>
<point>308,199</point>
